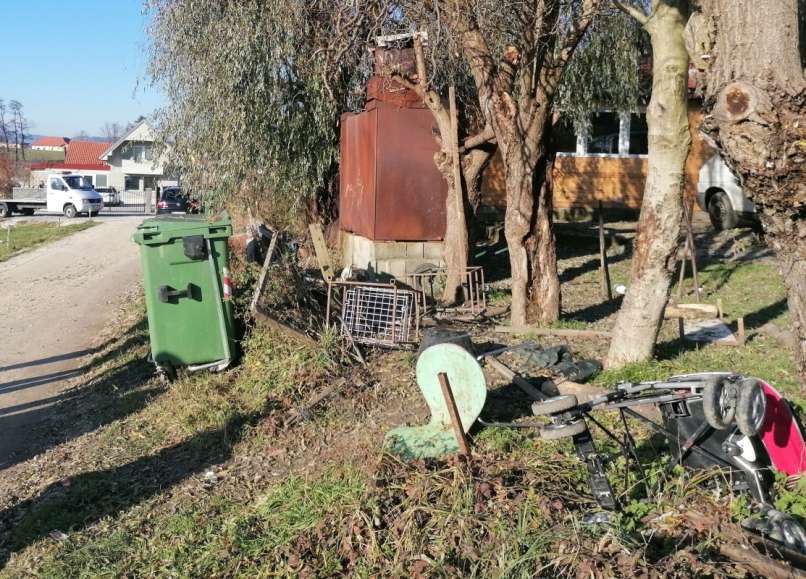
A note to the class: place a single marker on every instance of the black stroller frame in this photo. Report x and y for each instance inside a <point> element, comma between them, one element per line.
<point>674,397</point>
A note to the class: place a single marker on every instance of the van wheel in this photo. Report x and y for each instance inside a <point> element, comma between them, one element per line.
<point>70,211</point>
<point>721,212</point>
<point>5,210</point>
<point>28,211</point>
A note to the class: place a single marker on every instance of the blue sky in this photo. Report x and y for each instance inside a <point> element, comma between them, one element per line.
<point>76,64</point>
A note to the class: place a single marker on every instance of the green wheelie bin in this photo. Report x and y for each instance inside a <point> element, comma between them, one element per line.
<point>188,291</point>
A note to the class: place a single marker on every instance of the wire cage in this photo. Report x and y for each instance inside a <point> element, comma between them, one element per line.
<point>429,283</point>
<point>376,314</point>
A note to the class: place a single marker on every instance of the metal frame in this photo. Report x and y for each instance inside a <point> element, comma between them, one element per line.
<point>473,283</point>
<point>376,314</point>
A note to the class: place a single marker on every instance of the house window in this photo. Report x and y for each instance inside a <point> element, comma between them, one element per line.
<point>100,180</point>
<point>132,183</point>
<point>638,134</point>
<point>603,138</point>
<point>608,133</point>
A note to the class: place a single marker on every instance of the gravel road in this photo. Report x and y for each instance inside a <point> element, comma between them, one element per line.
<point>54,300</point>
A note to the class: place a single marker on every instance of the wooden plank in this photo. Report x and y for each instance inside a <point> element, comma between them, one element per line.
<point>564,332</point>
<point>268,320</point>
<point>453,412</point>
<point>261,282</point>
<point>320,247</point>
<point>691,311</point>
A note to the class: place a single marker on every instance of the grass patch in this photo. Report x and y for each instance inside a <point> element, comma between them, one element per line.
<point>25,236</point>
<point>37,156</point>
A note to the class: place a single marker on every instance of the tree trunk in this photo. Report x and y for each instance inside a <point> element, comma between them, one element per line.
<point>546,296</point>
<point>656,241</point>
<point>473,163</point>
<point>755,102</point>
<point>457,246</point>
<point>517,226</point>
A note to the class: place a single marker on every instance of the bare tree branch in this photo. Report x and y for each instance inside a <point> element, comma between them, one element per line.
<point>487,135</point>
<point>633,11</point>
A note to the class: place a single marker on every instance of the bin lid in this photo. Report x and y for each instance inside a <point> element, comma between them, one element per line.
<point>165,228</point>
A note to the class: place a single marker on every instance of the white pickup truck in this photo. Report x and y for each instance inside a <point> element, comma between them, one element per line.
<point>63,193</point>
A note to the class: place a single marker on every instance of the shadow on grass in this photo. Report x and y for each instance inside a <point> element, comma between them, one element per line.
<point>595,312</point>
<point>765,314</point>
<point>671,349</point>
<point>83,499</point>
<point>115,393</point>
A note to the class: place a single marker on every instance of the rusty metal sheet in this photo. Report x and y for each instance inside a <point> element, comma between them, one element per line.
<point>394,60</point>
<point>390,91</point>
<point>410,191</point>
<point>357,173</point>
<point>390,188</point>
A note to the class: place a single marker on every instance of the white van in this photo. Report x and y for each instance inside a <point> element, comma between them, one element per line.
<point>720,194</point>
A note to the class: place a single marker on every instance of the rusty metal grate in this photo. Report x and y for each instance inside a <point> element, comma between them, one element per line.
<point>430,283</point>
<point>377,314</point>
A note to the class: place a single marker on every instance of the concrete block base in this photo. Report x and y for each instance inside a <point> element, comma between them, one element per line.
<point>395,258</point>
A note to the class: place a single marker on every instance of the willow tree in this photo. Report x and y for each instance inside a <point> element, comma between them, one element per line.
<point>255,89</point>
<point>751,56</point>
<point>656,240</point>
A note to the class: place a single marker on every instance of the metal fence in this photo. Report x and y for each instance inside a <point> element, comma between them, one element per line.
<point>130,201</point>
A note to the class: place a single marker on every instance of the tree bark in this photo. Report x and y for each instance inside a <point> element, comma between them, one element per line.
<point>656,241</point>
<point>517,227</point>
<point>545,280</point>
<point>750,60</point>
<point>456,238</point>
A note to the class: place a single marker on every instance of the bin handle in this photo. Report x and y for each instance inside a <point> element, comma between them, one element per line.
<point>166,294</point>
<point>222,325</point>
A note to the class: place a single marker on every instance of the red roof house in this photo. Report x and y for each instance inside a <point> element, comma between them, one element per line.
<point>85,152</point>
<point>50,143</point>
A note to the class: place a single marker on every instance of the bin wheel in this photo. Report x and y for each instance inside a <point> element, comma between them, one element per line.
<point>558,431</point>
<point>166,374</point>
<point>554,405</point>
<point>719,403</point>
<point>751,408</point>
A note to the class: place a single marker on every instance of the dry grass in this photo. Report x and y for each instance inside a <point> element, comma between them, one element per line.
<point>205,479</point>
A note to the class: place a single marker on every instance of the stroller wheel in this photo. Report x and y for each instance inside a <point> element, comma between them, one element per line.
<point>554,405</point>
<point>558,431</point>
<point>751,407</point>
<point>719,403</point>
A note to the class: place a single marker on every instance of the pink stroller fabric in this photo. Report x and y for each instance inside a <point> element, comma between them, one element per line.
<point>781,435</point>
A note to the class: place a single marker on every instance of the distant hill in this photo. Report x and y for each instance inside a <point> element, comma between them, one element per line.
<point>31,138</point>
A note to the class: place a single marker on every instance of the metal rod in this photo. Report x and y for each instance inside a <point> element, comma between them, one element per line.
<point>661,430</point>
<point>453,412</point>
<point>692,251</point>
<point>606,289</point>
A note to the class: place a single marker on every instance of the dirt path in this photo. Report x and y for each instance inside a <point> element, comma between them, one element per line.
<point>54,300</point>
